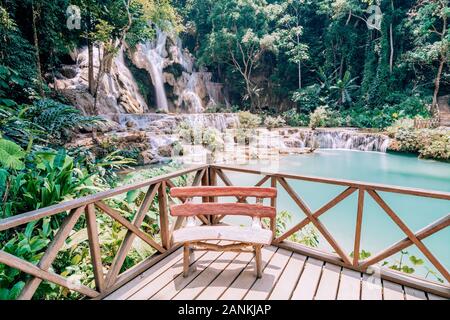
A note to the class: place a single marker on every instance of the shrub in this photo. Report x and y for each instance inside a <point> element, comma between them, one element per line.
<point>274,122</point>
<point>319,117</point>
<point>428,143</point>
<point>58,119</point>
<point>400,124</point>
<point>308,99</point>
<point>295,119</point>
<point>11,155</point>
<point>186,132</point>
<point>211,138</point>
<point>438,148</point>
<point>249,120</point>
<point>208,137</point>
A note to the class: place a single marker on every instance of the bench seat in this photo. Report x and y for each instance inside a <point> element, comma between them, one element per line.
<point>223,232</point>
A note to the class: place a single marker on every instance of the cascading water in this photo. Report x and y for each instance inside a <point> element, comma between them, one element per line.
<point>151,121</point>
<point>190,97</point>
<point>150,56</point>
<point>338,139</point>
<point>194,89</point>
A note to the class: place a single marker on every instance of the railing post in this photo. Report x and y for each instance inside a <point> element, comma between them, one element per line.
<point>359,215</point>
<point>212,177</point>
<point>273,203</point>
<point>94,247</point>
<point>163,216</point>
<point>205,183</point>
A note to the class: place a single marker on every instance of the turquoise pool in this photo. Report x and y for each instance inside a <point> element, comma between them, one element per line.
<point>378,230</point>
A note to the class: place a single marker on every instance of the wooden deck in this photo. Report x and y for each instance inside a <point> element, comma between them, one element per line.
<point>287,275</point>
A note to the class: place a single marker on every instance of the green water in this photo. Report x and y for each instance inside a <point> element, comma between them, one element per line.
<point>378,230</point>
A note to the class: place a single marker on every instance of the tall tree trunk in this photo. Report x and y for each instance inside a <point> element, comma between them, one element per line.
<point>443,60</point>
<point>391,40</point>
<point>37,50</point>
<point>91,67</point>
<point>299,64</point>
<point>90,55</point>
<point>437,83</point>
<point>299,75</point>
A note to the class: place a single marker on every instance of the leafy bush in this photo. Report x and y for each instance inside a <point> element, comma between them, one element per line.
<point>274,122</point>
<point>308,98</point>
<point>295,119</point>
<point>186,132</point>
<point>58,119</point>
<point>11,155</point>
<point>249,120</point>
<point>319,117</point>
<point>48,179</point>
<point>401,124</point>
<point>428,143</point>
<point>16,127</point>
<point>438,148</point>
<point>211,138</point>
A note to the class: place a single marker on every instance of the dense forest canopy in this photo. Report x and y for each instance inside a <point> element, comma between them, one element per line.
<point>360,55</point>
<point>273,53</point>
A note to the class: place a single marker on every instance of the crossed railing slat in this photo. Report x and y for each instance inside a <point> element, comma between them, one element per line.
<point>355,262</point>
<point>96,205</point>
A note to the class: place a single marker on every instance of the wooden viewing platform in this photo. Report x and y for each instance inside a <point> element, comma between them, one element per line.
<point>287,276</point>
<point>292,270</point>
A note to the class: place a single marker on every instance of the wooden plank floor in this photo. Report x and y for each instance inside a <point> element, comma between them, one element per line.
<point>287,275</point>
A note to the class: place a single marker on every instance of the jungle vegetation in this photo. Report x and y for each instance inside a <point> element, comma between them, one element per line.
<point>303,62</point>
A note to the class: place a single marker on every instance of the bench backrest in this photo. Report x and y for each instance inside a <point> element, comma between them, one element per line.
<point>215,208</point>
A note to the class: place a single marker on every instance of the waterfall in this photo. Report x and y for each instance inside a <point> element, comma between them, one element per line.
<point>194,89</point>
<point>133,96</point>
<point>337,139</point>
<point>190,97</point>
<point>219,121</point>
<point>158,122</point>
<point>151,56</point>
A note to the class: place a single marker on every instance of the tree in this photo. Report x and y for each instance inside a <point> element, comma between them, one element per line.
<point>344,87</point>
<point>290,31</point>
<point>35,11</point>
<point>239,38</point>
<point>429,22</point>
<point>15,52</point>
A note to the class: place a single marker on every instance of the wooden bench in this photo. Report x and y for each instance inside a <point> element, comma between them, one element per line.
<point>244,239</point>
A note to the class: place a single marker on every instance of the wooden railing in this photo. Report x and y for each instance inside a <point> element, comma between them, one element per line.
<point>339,256</point>
<point>91,206</point>
<point>95,204</point>
<point>427,123</point>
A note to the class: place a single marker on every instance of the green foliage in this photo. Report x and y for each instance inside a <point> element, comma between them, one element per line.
<point>323,116</point>
<point>400,265</point>
<point>295,119</point>
<point>210,138</point>
<point>308,98</point>
<point>249,120</point>
<point>15,52</point>
<point>59,120</point>
<point>308,236</point>
<point>363,254</point>
<point>27,245</point>
<point>343,88</point>
<point>11,155</point>
<point>428,143</point>
<point>49,178</point>
<point>274,122</point>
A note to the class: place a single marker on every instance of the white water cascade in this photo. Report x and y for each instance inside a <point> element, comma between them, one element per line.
<point>336,139</point>
<point>164,122</point>
<point>151,56</point>
<point>189,96</point>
